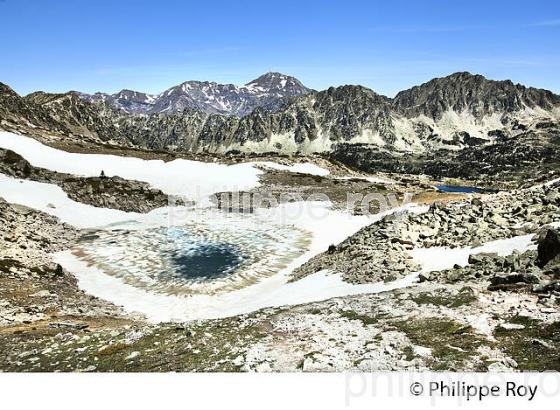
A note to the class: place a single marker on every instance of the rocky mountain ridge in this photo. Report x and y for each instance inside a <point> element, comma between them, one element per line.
<point>270,90</point>
<point>475,94</point>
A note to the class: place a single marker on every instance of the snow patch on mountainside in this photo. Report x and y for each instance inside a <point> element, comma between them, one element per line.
<point>52,200</point>
<point>301,168</point>
<point>369,137</point>
<point>285,143</point>
<point>437,258</point>
<point>192,179</point>
<point>453,122</point>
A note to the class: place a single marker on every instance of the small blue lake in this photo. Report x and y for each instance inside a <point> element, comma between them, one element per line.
<point>464,189</point>
<point>209,260</point>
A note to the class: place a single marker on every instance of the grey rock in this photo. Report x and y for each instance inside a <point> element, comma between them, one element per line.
<point>514,278</point>
<point>483,258</point>
<point>68,325</point>
<point>547,286</point>
<point>548,246</point>
<point>424,277</point>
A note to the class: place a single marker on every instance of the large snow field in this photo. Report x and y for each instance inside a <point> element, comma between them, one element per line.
<point>192,179</point>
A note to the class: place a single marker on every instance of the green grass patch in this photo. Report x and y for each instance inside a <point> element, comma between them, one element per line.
<point>452,343</point>
<point>465,297</point>
<point>353,315</point>
<point>525,345</point>
<point>206,346</point>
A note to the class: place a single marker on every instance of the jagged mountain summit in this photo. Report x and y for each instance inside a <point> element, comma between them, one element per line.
<point>279,84</point>
<point>125,100</point>
<point>473,94</point>
<point>269,91</point>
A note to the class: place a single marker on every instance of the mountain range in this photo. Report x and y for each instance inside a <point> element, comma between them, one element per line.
<point>269,91</point>
<point>461,117</point>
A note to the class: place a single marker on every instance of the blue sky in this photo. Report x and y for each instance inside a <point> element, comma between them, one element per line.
<point>385,45</point>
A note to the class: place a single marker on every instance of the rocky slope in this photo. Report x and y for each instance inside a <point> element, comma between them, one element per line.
<point>475,94</point>
<point>528,155</point>
<point>33,289</point>
<point>47,324</point>
<point>379,252</point>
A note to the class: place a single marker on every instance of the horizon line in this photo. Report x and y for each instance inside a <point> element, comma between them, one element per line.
<point>287,75</point>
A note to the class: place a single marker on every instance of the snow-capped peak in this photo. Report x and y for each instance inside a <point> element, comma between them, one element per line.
<point>277,81</point>
<point>268,91</point>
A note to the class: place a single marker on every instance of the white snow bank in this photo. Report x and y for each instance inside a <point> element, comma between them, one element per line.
<point>302,168</point>
<point>193,179</point>
<point>549,183</point>
<point>52,200</point>
<point>440,258</point>
<point>373,180</point>
<point>273,292</point>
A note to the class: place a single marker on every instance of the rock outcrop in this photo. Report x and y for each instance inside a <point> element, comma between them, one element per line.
<point>549,252</point>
